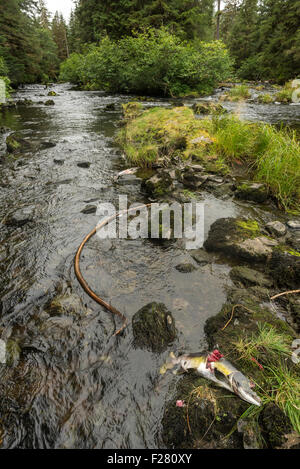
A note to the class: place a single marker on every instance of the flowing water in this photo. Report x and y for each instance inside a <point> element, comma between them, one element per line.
<point>72,384</point>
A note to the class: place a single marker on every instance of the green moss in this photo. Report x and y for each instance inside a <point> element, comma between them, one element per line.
<point>250,225</point>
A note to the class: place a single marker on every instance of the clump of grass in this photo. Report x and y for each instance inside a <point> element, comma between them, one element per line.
<point>285,392</point>
<point>284,95</point>
<point>267,342</point>
<point>239,93</point>
<point>280,381</point>
<point>249,225</point>
<point>265,99</point>
<point>274,155</point>
<point>164,132</point>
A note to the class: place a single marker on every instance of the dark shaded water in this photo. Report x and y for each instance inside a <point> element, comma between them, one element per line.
<point>73,386</point>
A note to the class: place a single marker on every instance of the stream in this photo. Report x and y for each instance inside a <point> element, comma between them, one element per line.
<point>73,385</point>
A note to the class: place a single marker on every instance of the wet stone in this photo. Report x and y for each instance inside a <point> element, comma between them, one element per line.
<point>185,268</point>
<point>201,256</point>
<point>249,277</point>
<point>21,217</point>
<point>254,192</point>
<point>153,327</point>
<point>89,209</point>
<point>58,161</point>
<point>16,143</point>
<point>276,228</point>
<point>84,164</point>
<point>293,224</point>
<point>50,102</point>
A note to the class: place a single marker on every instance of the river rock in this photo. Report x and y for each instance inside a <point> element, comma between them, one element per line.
<point>185,268</point>
<point>239,238</point>
<point>15,143</point>
<point>201,256</point>
<point>246,276</point>
<point>84,164</point>
<point>293,224</point>
<point>285,267</point>
<point>22,216</point>
<point>208,107</point>
<point>89,209</point>
<point>276,228</point>
<point>47,145</point>
<point>50,102</point>
<point>153,327</point>
<point>193,178</point>
<point>158,185</point>
<point>68,304</point>
<point>52,93</point>
<point>254,192</point>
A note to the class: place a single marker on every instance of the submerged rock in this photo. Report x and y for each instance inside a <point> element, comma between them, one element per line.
<point>153,327</point>
<point>50,102</point>
<point>21,217</point>
<point>185,268</point>
<point>201,256</point>
<point>15,143</point>
<point>84,164</point>
<point>248,277</point>
<point>89,209</point>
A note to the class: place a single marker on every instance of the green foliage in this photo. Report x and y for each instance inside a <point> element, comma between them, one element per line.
<point>154,62</point>
<point>188,19</point>
<point>263,37</point>
<point>8,88</point>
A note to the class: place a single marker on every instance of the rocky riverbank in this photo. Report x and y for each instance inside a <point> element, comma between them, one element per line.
<point>253,331</point>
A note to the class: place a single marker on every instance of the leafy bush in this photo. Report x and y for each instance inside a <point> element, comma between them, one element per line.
<point>154,62</point>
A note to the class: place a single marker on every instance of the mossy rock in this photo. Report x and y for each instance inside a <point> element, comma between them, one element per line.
<point>285,267</point>
<point>65,304</point>
<point>52,93</point>
<point>50,102</point>
<point>275,425</point>
<point>185,268</point>
<point>16,143</point>
<point>254,192</point>
<point>240,238</point>
<point>208,107</point>
<point>158,185</point>
<point>247,277</point>
<point>207,416</point>
<point>153,327</point>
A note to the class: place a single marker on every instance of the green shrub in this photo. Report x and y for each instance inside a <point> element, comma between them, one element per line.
<point>154,62</point>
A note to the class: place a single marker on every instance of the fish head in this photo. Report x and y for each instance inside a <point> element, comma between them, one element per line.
<point>243,387</point>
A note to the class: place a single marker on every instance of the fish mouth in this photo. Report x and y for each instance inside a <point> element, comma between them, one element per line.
<point>249,396</point>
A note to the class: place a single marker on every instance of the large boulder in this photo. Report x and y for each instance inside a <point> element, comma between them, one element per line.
<point>240,238</point>
<point>153,327</point>
<point>254,192</point>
